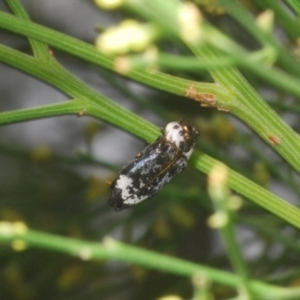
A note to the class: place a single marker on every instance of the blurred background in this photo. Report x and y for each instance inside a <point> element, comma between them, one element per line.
<point>53,174</point>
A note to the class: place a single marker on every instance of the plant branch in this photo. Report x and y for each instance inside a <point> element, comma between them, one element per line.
<point>89,53</point>
<point>251,190</point>
<point>99,106</point>
<point>21,115</point>
<point>39,49</point>
<point>111,250</point>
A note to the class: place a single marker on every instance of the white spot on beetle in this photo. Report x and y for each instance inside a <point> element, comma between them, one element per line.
<point>173,133</point>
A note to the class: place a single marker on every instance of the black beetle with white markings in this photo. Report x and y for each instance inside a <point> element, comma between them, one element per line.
<point>155,166</point>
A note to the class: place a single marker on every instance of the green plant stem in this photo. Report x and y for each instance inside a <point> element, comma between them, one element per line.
<point>248,106</point>
<point>296,7</point>
<point>95,104</point>
<point>243,16</point>
<point>106,111</point>
<point>251,190</point>
<point>290,24</point>
<point>148,9</point>
<point>89,53</point>
<point>236,95</point>
<point>99,106</point>
<point>235,255</point>
<point>181,63</point>
<point>220,195</point>
<point>63,108</point>
<point>255,61</point>
<point>155,79</point>
<point>39,49</point>
<point>243,101</point>
<point>248,143</point>
<point>111,249</point>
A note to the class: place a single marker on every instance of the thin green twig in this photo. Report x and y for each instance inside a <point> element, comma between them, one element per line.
<point>111,250</point>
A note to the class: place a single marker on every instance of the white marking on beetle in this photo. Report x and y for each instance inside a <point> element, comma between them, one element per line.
<point>123,183</point>
<point>135,199</point>
<point>173,133</point>
<point>189,153</point>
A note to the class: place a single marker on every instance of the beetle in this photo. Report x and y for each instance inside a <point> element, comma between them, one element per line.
<point>154,166</point>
